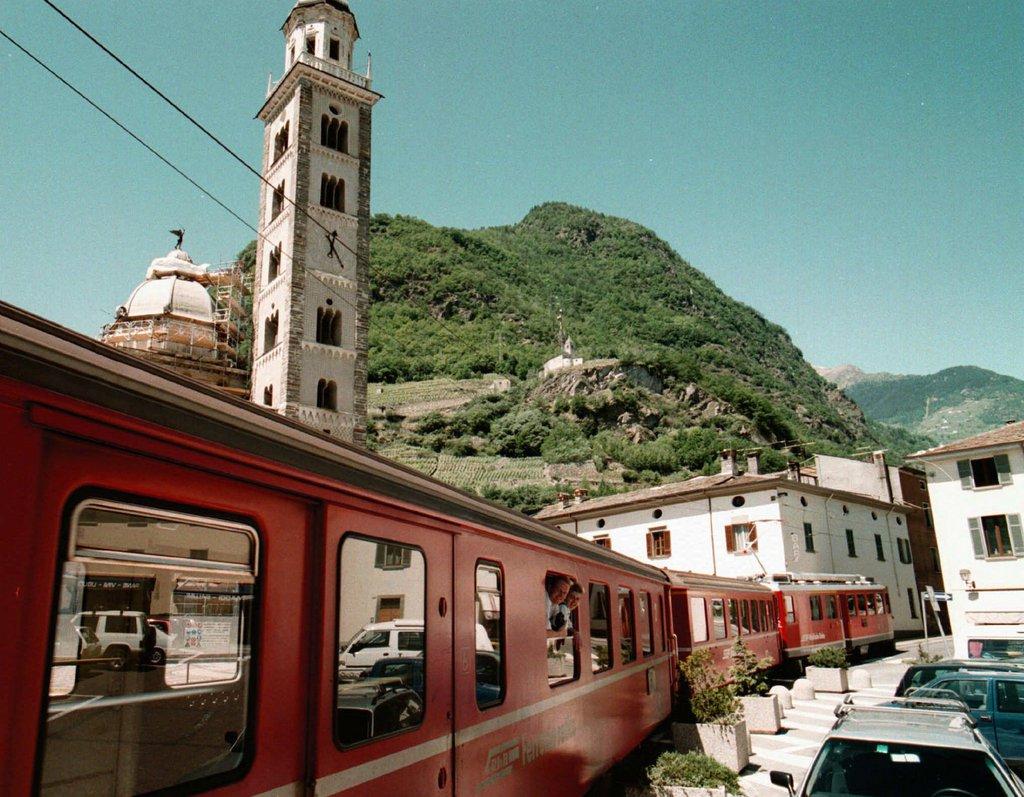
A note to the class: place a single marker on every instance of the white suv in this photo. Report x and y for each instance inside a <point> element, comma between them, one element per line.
<point>380,640</point>
<point>122,637</point>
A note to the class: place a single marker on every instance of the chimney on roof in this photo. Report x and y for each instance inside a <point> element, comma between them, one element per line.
<point>580,494</point>
<point>563,499</point>
<point>753,463</point>
<point>793,471</point>
<point>729,462</point>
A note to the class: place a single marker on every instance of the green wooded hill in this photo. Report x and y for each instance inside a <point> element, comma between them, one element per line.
<point>948,405</point>
<point>675,369</point>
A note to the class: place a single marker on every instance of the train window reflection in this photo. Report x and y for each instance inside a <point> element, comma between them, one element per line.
<point>646,642</point>
<point>152,643</point>
<point>627,643</point>
<point>790,608</point>
<point>698,620</point>
<point>490,635</point>
<point>381,667</point>
<point>734,617</point>
<point>600,628</point>
<point>718,617</point>
<point>831,607</point>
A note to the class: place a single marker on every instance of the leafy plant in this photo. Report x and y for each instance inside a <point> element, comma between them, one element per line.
<point>711,698</point>
<point>924,657</point>
<point>748,672</point>
<point>829,657</point>
<point>691,769</point>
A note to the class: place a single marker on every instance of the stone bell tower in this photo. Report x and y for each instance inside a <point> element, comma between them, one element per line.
<point>311,285</point>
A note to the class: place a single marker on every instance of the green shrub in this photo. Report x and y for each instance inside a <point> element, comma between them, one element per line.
<point>924,657</point>
<point>748,672</point>
<point>691,769</point>
<point>711,698</point>
<point>829,657</point>
<point>460,447</point>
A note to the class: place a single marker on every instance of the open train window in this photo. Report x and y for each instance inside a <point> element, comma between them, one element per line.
<point>600,628</point>
<point>151,680</point>
<point>851,605</point>
<point>563,596</point>
<point>790,608</point>
<point>627,641</point>
<point>698,621</point>
<point>382,664</point>
<point>815,607</point>
<point>659,621</point>
<point>490,634</point>
<point>646,637</point>
<point>830,607</point>
<point>862,604</point>
<point>734,616</point>
<point>718,617</point>
<point>745,616</point>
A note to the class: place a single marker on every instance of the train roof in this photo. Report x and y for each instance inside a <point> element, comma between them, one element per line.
<point>42,353</point>
<point>687,578</point>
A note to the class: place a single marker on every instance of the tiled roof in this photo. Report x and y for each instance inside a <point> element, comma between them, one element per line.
<point>1004,435</point>
<point>697,484</point>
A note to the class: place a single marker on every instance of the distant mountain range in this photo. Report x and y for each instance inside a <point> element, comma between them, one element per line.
<point>948,405</point>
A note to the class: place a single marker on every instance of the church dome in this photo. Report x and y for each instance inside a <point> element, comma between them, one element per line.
<point>170,289</point>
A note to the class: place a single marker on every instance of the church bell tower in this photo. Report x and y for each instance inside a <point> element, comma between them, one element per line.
<point>311,284</point>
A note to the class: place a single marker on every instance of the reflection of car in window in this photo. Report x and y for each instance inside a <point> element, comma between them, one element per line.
<point>126,637</point>
<point>367,711</point>
<point>380,640</point>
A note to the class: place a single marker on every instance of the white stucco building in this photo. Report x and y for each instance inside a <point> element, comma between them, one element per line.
<point>753,524</point>
<point>567,359</point>
<point>976,487</point>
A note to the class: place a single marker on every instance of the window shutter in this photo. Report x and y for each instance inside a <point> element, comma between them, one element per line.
<point>1016,535</point>
<point>752,536</point>
<point>730,539</point>
<point>963,469</point>
<point>976,538</point>
<point>650,544</point>
<point>1003,468</point>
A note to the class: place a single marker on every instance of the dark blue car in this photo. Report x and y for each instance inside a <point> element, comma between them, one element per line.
<point>410,672</point>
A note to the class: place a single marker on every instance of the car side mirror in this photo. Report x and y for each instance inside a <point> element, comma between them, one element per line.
<point>783,779</point>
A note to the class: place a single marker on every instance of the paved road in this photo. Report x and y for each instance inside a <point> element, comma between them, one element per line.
<point>807,723</point>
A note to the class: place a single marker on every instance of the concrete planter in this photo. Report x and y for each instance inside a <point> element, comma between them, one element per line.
<point>729,745</point>
<point>762,714</point>
<point>559,666</point>
<point>692,791</point>
<point>828,679</point>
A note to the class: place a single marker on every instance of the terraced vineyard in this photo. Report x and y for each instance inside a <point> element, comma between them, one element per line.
<point>412,399</point>
<point>474,473</point>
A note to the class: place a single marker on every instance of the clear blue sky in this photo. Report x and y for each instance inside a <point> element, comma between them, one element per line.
<point>853,170</point>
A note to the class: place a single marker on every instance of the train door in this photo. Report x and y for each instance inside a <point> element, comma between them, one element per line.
<point>384,720</point>
<point>851,619</point>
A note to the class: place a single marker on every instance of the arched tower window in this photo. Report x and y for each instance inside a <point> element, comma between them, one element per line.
<point>328,326</point>
<point>281,142</point>
<point>268,395</point>
<point>325,126</point>
<point>269,333</point>
<point>332,193</point>
<point>274,264</point>
<point>327,395</point>
<point>334,133</point>
<point>277,204</point>
<point>342,145</point>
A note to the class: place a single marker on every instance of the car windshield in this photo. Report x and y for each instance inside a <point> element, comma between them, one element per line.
<point>892,769</point>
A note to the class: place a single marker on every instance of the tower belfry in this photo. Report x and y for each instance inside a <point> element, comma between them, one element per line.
<point>311,284</point>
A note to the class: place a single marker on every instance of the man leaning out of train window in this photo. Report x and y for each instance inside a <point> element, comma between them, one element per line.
<point>556,588</point>
<point>563,614</point>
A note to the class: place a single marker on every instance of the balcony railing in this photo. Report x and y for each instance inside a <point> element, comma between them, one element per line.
<point>331,68</point>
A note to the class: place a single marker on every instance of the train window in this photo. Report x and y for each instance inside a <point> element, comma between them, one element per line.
<point>600,628</point>
<point>646,637</point>
<point>734,616</point>
<point>563,597</point>
<point>851,605</point>
<point>755,617</point>
<point>698,620</point>
<point>151,678</point>
<point>790,609</point>
<point>861,604</point>
<point>765,626</point>
<point>718,617</point>
<point>627,640</point>
<point>815,607</point>
<point>885,598</point>
<point>830,607</point>
<point>490,634</point>
<point>879,605</point>
<point>745,617</point>
<point>366,706</point>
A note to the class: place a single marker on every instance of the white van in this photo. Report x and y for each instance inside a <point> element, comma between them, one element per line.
<point>122,636</point>
<point>380,640</point>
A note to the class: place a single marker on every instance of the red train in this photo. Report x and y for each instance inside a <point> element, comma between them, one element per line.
<point>192,588</point>
<point>788,617</point>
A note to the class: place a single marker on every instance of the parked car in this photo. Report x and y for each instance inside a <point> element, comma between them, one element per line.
<point>369,710</point>
<point>989,649</point>
<point>409,673</point>
<point>404,670</point>
<point>996,702</point>
<point>919,674</point>
<point>77,642</point>
<point>126,637</point>
<point>377,641</point>
<point>904,752</point>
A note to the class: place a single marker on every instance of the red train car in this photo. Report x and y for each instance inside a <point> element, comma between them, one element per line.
<point>187,581</point>
<point>712,613</point>
<point>822,610</point>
